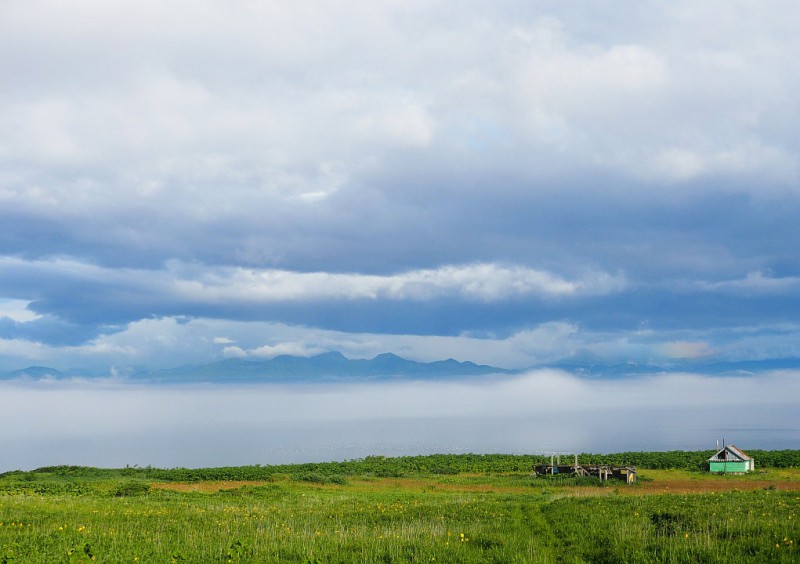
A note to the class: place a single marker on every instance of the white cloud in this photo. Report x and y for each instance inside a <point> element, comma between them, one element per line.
<point>479,282</point>
<point>17,310</point>
<point>233,352</point>
<point>160,91</point>
<point>170,342</point>
<point>289,348</point>
<point>332,141</point>
<point>681,164</point>
<point>567,78</point>
<point>188,283</point>
<point>166,343</point>
<point>22,352</point>
<point>687,349</point>
<point>551,340</point>
<point>406,124</point>
<point>755,282</point>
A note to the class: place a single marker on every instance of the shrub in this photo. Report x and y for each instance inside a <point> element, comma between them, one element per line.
<point>318,478</point>
<point>131,488</point>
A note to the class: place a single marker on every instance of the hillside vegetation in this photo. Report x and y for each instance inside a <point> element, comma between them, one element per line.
<point>435,464</point>
<point>440,508</point>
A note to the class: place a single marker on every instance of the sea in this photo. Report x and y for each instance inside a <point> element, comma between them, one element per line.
<point>113,423</point>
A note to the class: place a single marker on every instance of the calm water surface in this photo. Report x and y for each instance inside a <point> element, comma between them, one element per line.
<point>111,424</point>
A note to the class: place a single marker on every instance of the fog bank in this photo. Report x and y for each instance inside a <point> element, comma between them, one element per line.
<point>111,424</point>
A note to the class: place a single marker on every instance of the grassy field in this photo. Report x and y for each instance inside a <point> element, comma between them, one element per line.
<point>75,515</point>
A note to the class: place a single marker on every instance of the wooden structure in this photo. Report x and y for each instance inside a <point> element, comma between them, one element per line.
<point>730,460</point>
<point>604,472</point>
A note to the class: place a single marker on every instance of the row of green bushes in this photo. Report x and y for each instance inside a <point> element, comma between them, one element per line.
<point>435,464</point>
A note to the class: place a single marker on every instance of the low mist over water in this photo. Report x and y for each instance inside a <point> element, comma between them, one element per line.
<point>113,424</point>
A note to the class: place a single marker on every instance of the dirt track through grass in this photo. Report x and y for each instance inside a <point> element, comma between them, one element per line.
<point>652,482</point>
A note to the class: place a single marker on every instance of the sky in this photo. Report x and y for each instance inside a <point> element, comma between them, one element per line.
<point>510,183</point>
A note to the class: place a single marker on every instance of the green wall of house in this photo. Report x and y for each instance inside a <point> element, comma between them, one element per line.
<point>728,466</point>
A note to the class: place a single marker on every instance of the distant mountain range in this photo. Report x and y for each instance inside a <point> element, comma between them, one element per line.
<point>335,367</point>
<point>33,373</point>
<point>331,366</point>
<point>721,368</point>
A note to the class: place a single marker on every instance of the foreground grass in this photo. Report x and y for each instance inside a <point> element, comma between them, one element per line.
<point>459,518</point>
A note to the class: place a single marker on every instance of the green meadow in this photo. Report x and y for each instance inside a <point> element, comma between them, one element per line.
<point>456,508</point>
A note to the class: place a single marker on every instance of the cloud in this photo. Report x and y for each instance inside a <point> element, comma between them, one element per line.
<point>233,352</point>
<point>564,76</point>
<point>398,169</point>
<point>170,342</point>
<point>481,282</point>
<point>683,164</point>
<point>687,349</point>
<point>17,310</point>
<point>405,124</point>
<point>294,349</point>
<point>267,104</point>
<point>757,283</point>
<point>105,298</point>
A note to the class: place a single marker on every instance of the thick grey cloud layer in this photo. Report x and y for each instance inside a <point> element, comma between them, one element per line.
<point>465,172</point>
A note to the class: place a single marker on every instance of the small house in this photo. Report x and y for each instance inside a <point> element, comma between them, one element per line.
<point>730,460</point>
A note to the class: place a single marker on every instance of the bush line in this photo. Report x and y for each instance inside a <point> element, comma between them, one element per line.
<point>423,465</point>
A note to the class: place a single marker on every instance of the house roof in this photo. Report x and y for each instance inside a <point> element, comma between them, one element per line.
<point>731,453</point>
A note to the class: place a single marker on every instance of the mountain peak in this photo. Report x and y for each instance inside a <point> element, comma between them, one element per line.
<point>331,355</point>
<point>36,372</point>
<point>387,355</point>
